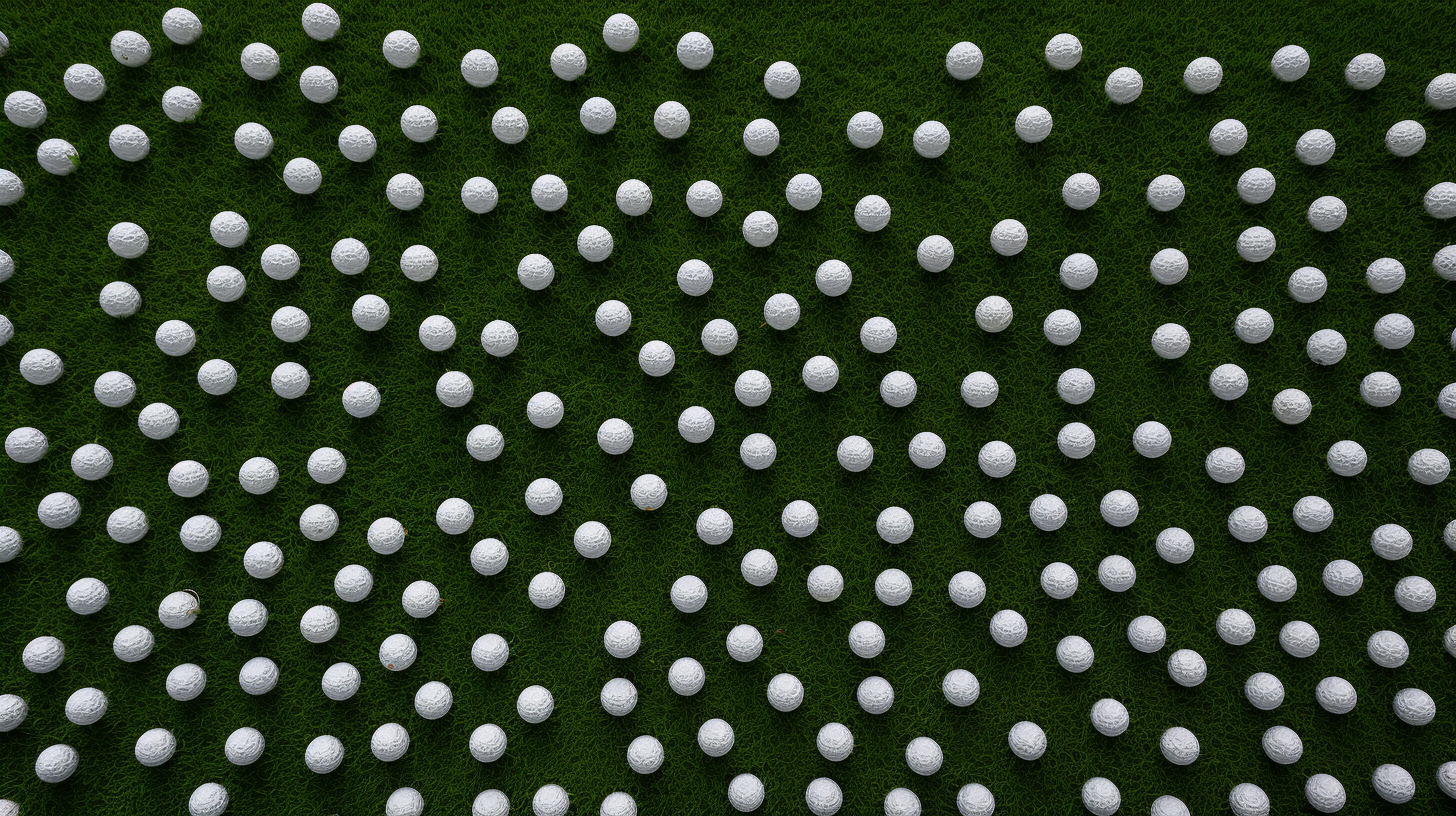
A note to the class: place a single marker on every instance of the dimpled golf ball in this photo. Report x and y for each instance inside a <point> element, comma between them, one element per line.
<point>760,229</point>
<point>546,590</point>
<point>874,695</point>
<point>1119,508</point>
<point>263,560</point>
<point>1428,466</point>
<point>1008,628</point>
<point>803,192</point>
<point>1152,439</point>
<point>1179,746</point>
<point>1255,244</point>
<point>43,654</point>
<point>1394,331</point>
<point>598,116</point>
<point>1342,578</point>
<point>404,191</point>
<point>200,533</point>
<point>1062,327</point>
<point>509,125</point>
<point>1277,583</point>
<point>155,747</point>
<point>1380,389</point>
<point>319,85</point>
<point>1081,191</point>
<point>120,300</point>
<point>87,596</point>
<point>1078,271</point>
<point>1075,386</point>
<point>1228,137</point>
<point>824,797</point>
<point>1394,784</point>
<point>1058,580</point>
<point>1412,707</point>
<point>1033,124</point>
<point>1346,458</point>
<point>1264,691</point>
<point>715,737</point>
<point>1076,441</point>
<point>785,693</point>
<point>26,445</point>
<point>893,587</point>
<point>1290,63</point>
<point>543,496</point>
<point>258,676</point>
<point>745,793</point>
<point>12,189</point>
<point>1385,275</point>
<point>1256,185</point>
<point>568,62</point>
<point>454,389</point>
<point>1109,717</point>
<point>127,525</point>
<point>1165,193</point>
<point>689,594</point>
<point>1187,668</point>
<point>614,437</point>
<point>931,140</point>
<point>1100,796</point>
<point>745,643</point>
<point>1171,341</point>
<point>181,26</point>
<point>897,389</point>
<point>1048,514</point>
<point>979,389</point>
<point>704,199</point>
<point>56,764</point>
<point>781,80</point>
<point>488,743</point>
<point>402,49</point>
<point>1074,654</point>
<point>84,82</point>
<point>825,583</point>
<point>761,137</point>
<point>1299,639</point>
<point>964,60</point>
<point>1415,594</point>
<point>58,157</point>
<point>1146,634</point>
<point>58,510</point>
<point>1235,627</point>
<point>1224,465</point>
<point>247,617</point>
<point>1441,92</point>
<point>1315,147</point>
<point>290,380</point>
<point>318,522</point>
<point>181,104</point>
<point>686,676</point>
<point>1335,695</point>
<point>865,130</point>
<point>1228,382</point>
<point>993,314</point>
<point>1405,138</point>
<point>1008,237</point>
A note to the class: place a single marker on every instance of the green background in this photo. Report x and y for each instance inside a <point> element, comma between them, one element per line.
<point>887,58</point>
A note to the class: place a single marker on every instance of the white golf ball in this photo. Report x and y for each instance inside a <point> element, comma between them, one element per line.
<point>1124,86</point>
<point>181,26</point>
<point>1387,649</point>
<point>1033,124</point>
<point>479,195</point>
<point>1314,147</point>
<point>694,278</point>
<point>979,389</point>
<point>744,643</point>
<point>401,49</point>
<point>1062,327</point>
<point>56,764</point>
<point>760,229</point>
<point>319,85</point>
<point>931,139</point>
<point>781,80</point>
<point>803,192</point>
<point>1063,52</point>
<point>1228,137</point>
<point>1394,784</point>
<point>1290,63</point>
<point>614,437</point>
<point>546,590</point>
<point>1264,691</point>
<point>454,389</point>
<point>686,676</point>
<point>689,594</point>
<point>1277,583</point>
<point>1008,237</point>
<point>1405,138</point>
<point>994,314</point>
<point>865,130</point>
<point>1180,747</point>
<point>1364,71</point>
<point>964,60</point>
<point>835,741</point>
<point>535,704</point>
<point>155,747</point>
<point>1256,185</point>
<point>825,583</point>
<point>404,191</point>
<point>1081,190</point>
<point>761,137</point>
<point>1428,466</point>
<point>1008,628</point>
<point>704,199</point>
<point>745,793</point>
<point>598,115</point>
<point>1415,594</point>
<point>1385,275</point>
<point>509,125</point>
<point>258,676</point>
<point>1203,75</point>
<point>568,62</point>
<point>874,695</point>
<point>318,522</point>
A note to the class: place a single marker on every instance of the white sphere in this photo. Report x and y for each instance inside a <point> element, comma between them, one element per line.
<point>258,676</point>
<point>119,299</point>
<point>509,125</point>
<point>454,516</point>
<point>404,802</point>
<point>1008,628</point>
<point>894,525</point>
<point>324,754</point>
<point>967,590</point>
<point>1346,458</point>
<point>126,525</point>
<point>1119,508</point>
<point>634,197</point>
<point>979,389</point>
<point>290,380</point>
<point>1314,147</point>
<point>479,195</point>
<point>1264,691</point>
<point>1327,214</point>
<point>187,479</point>
<point>1203,75</point>
<point>361,399</point>
<point>263,560</point>
<point>874,695</point>
<point>1364,72</point>
<point>656,358</point>
<point>127,142</point>
<point>745,643</point>
<point>1441,94</point>
<point>398,652</point>
<point>226,283</point>
<point>549,192</point>
<point>1415,594</point>
<point>181,104</point>
<point>12,189</point>
<point>490,803</point>
<point>1428,466</point>
<point>1385,275</point>
<point>622,639</point>
<point>544,410</point>
<point>960,688</point>
<point>535,704</point>
<point>964,60</point>
<point>931,139</point>
<point>1074,654</point>
<point>1062,327</point>
<point>982,519</point>
<point>454,389</point>
<point>1335,695</point>
<point>1169,266</point>
<point>1277,583</point>
<point>56,764</point>
<point>1235,627</point>
<point>546,590</point>
<point>253,141</point>
<point>1256,185</point>
<point>488,743</point>
<point>785,693</point>
<point>404,191</point>
<point>58,510</point>
<point>719,337</point>
<point>155,747</point>
<point>835,741</point>
<point>1179,746</point>
<point>704,199</point>
<point>87,596</point>
<point>178,610</point>
<point>1224,465</point>
<point>1394,784</point>
<point>1292,406</point>
<point>41,366</point>
<point>200,533</point>
<point>893,587</point>
<point>1228,382</point>
<point>865,129</point>
<point>761,137</point>
<point>319,624</point>
<point>1290,63</point>
<point>1228,137</point>
<point>1048,514</point>
<point>1343,578</point>
<point>996,459</point>
<point>592,539</point>
<point>1165,193</point>
<point>1394,331</point>
<point>686,676</point>
<point>1152,439</point>
<point>1100,797</point>
<point>1255,244</point>
<point>715,737</point>
<point>1076,441</point>
<point>386,535</point>
<point>1380,389</point>
<point>824,797</point>
<point>247,617</point>
<point>924,756</point>
<point>28,445</point>
<point>1324,793</point>
<point>229,229</point>
<point>689,594</point>
<point>781,311</point>
<point>927,450</point>
<point>401,49</point>
<point>318,522</point>
<point>598,115</point>
<point>648,492</point>
<point>1446,778</point>
<point>826,583</point>
<point>760,229</point>
<point>1187,668</point>
<point>745,793</point>
<point>433,700</point>
<point>1008,237</point>
<point>187,681</point>
<point>714,526</point>
<point>1058,580</point>
<point>1033,124</point>
<point>1081,190</point>
<point>613,318</point>
<point>490,652</point>
<point>86,706</point>
<point>614,436</point>
<point>1063,52</point>
<point>799,518</point>
<point>319,85</point>
<point>878,335</point>
<point>897,389</point>
<point>568,62</point>
<point>1412,707</point>
<point>259,61</point>
<point>993,314</point>
<point>217,377</point>
<point>1299,639</point>
<point>1146,634</point>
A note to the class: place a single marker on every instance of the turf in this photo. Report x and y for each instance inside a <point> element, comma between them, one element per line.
<point>854,56</point>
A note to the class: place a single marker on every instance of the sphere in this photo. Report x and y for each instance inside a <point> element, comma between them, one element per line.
<point>1405,138</point>
<point>1228,137</point>
<point>120,300</point>
<point>1075,440</point>
<point>781,80</point>
<point>479,195</point>
<point>490,803</point>
<point>745,793</point>
<point>645,755</point>
<point>535,704</point>
<point>1062,327</point>
<point>1058,580</point>
<point>319,624</point>
<point>1008,237</point>
<point>865,130</point>
<point>1224,465</point>
<point>86,706</point>
<point>931,140</point>
<point>825,583</point>
<point>318,522</point>
<point>509,125</point>
<point>289,380</point>
<point>622,639</point>
<point>258,676</point>
<point>1428,466</point>
<point>1033,124</point>
<point>454,389</point>
<point>56,763</point>
<point>686,676</point>
<point>960,688</point>
<point>1063,52</point>
<point>1380,389</point>
<point>781,311</point>
<point>1187,668</point>
<point>1168,267</point>
<point>263,560</point>
<point>433,700</point>
<point>1277,583</point>
<point>1394,784</point>
<point>1346,458</point>
<point>996,459</point>
<point>404,191</point>
<point>785,693</point>
<point>897,389</point>
<point>1364,72</point>
<point>1152,439</point>
<point>1315,147</point>
<point>1264,691</point>
<point>488,743</point>
<point>1048,514</point>
<point>1335,695</point>
<point>247,617</point>
<point>964,60</point>
<point>979,389</point>
<point>546,590</point>
<point>894,525</point>
<point>217,377</point>
<point>1290,63</point>
<point>41,366</point>
<point>1228,382</point>
<point>1441,93</point>
<point>1081,191</point>
<point>319,85</point>
<point>745,643</point>
<point>824,797</point>
<point>1165,193</point>
<point>1256,185</point>
<point>893,587</point>
<point>340,681</point>
<point>1343,578</point>
<point>1324,793</point>
<point>715,526</point>
<point>1299,639</point>
<point>1146,634</point>
<point>982,519</point>
<point>229,229</point>
<point>874,695</point>
<point>1008,628</point>
<point>12,189</point>
<point>835,740</point>
<point>1119,508</point>
<point>401,49</point>
<point>1074,654</point>
<point>1100,796</point>
<point>1235,627</point>
<point>761,137</point>
<point>760,229</point>
<point>58,510</point>
<point>404,802</point>
<point>993,314</point>
<point>200,533</point>
<point>1385,275</point>
<point>181,104</point>
<point>178,610</point>
<point>1415,594</point>
<point>155,747</point>
<point>28,445</point>
<point>967,590</point>
<point>1203,75</point>
<point>598,116</point>
<point>1078,271</point>
<point>1179,746</point>
<point>715,737</point>
<point>1394,331</point>
<point>568,62</point>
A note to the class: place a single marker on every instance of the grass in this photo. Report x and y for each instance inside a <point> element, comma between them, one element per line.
<point>882,57</point>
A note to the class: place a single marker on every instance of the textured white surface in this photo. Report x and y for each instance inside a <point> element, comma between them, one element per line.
<point>1264,691</point>
<point>1187,668</point>
<point>825,583</point>
<point>874,695</point>
<point>1146,634</point>
<point>1100,796</point>
<point>686,676</point>
<point>1008,628</point>
<point>1335,695</point>
<point>1394,784</point>
<point>1048,513</point>
<point>715,737</point>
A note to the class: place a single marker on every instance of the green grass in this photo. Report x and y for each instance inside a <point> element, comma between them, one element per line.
<point>882,57</point>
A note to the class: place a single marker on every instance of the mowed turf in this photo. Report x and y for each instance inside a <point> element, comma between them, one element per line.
<point>887,58</point>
